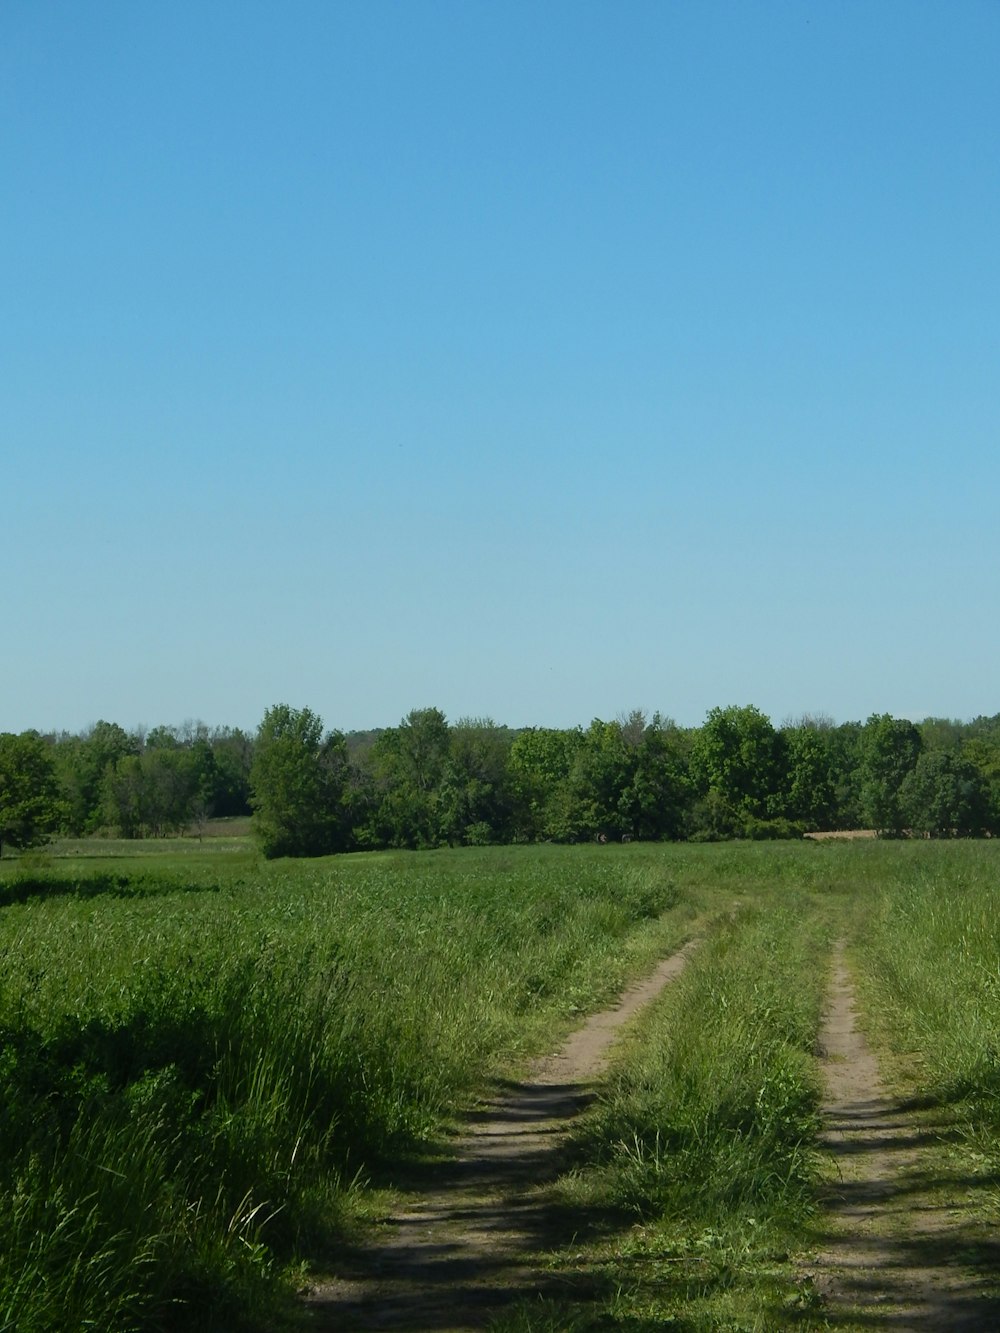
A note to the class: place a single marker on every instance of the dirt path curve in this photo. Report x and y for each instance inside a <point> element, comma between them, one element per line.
<point>890,1255</point>
<point>463,1251</point>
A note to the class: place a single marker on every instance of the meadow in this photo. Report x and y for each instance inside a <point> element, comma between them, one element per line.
<point>209,1063</point>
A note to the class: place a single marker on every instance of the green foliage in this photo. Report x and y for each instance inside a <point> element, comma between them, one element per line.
<point>738,760</point>
<point>945,796</point>
<point>192,1076</point>
<point>928,941</point>
<point>84,763</point>
<point>297,781</point>
<point>29,795</point>
<point>811,796</point>
<point>476,802</point>
<point>889,751</point>
<point>540,762</point>
<point>409,763</point>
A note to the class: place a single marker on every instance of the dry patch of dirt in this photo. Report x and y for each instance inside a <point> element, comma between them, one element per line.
<point>898,1249</point>
<point>464,1248</point>
<point>842,833</point>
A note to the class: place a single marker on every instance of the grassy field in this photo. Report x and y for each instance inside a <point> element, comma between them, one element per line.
<point>207,1060</point>
<point>204,1057</point>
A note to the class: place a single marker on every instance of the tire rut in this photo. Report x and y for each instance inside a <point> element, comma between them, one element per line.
<point>462,1251</point>
<point>889,1255</point>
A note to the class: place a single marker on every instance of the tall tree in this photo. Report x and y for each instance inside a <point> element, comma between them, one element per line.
<point>297,784</point>
<point>655,803</point>
<point>475,802</point>
<point>889,751</point>
<point>83,764</point>
<point>810,795</point>
<point>540,762</point>
<point>738,760</point>
<point>29,792</point>
<point>409,763</point>
<point>945,796</point>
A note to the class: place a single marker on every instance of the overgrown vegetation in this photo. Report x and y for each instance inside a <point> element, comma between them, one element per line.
<point>429,783</point>
<point>194,1073</point>
<point>205,1058</point>
<point>929,944</point>
<point>697,1164</point>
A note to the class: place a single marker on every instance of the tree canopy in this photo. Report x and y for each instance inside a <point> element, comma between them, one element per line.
<point>29,793</point>
<point>297,778</point>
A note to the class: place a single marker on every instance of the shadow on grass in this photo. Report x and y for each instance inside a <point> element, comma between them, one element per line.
<point>896,1241</point>
<point>475,1245</point>
<point>23,888</point>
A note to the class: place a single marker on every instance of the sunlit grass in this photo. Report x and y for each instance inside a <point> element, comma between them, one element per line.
<point>200,1062</point>
<point>697,1164</point>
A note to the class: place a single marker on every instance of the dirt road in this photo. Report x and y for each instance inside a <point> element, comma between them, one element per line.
<point>894,1243</point>
<point>464,1248</point>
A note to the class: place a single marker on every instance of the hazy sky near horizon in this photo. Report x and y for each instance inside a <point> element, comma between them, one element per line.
<point>538,361</point>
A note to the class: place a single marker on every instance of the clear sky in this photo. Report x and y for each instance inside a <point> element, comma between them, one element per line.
<point>530,360</point>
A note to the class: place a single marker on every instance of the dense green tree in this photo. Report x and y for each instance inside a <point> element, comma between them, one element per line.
<point>408,766</point>
<point>810,793</point>
<point>539,763</point>
<point>297,784</point>
<point>83,763</point>
<point>845,757</point>
<point>655,802</point>
<point>475,801</point>
<point>738,760</point>
<point>889,751</point>
<point>29,791</point>
<point>602,769</point>
<point>160,791</point>
<point>232,757</point>
<point>945,796</point>
<point>982,748</point>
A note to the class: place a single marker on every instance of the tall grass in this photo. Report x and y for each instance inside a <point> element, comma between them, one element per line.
<point>697,1165</point>
<point>929,943</point>
<point>195,1069</point>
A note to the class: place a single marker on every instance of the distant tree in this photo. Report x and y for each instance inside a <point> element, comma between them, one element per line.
<point>232,755</point>
<point>655,802</point>
<point>29,792</point>
<point>162,738</point>
<point>540,762</point>
<point>83,763</point>
<point>738,761</point>
<point>297,784</point>
<point>475,801</point>
<point>982,749</point>
<point>845,761</point>
<point>408,764</point>
<point>810,793</point>
<point>889,750</point>
<point>945,796</point>
<point>940,733</point>
<point>156,792</point>
<point>602,770</point>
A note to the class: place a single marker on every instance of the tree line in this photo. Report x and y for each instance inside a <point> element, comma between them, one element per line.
<point>429,782</point>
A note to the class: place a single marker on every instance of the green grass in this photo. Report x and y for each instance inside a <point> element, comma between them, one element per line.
<point>201,1058</point>
<point>928,949</point>
<point>206,1059</point>
<point>696,1168</point>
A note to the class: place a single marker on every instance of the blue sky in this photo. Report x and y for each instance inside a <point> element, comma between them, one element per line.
<point>538,361</point>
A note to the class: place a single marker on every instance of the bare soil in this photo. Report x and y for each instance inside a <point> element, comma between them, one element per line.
<point>842,834</point>
<point>900,1248</point>
<point>463,1248</point>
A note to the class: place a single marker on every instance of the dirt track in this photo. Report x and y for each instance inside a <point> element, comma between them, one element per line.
<point>463,1250</point>
<point>892,1251</point>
